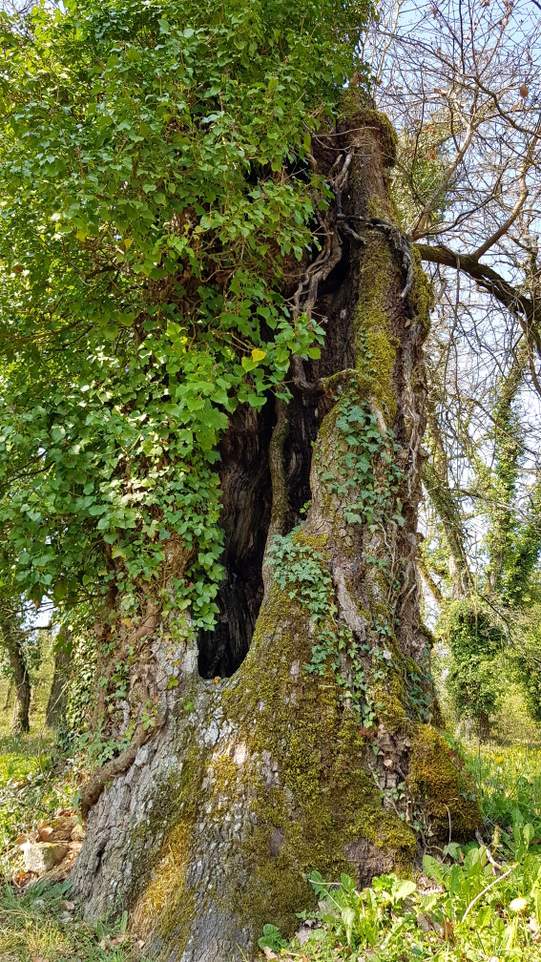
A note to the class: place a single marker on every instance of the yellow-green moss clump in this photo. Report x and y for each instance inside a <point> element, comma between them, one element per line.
<point>439,786</point>
<point>356,109</point>
<point>166,897</point>
<point>390,703</point>
<point>375,345</point>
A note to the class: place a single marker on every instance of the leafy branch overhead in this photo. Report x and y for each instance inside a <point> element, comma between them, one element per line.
<point>157,203</point>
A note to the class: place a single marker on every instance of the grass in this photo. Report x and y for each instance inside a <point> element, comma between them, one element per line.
<point>508,782</point>
<point>40,926</point>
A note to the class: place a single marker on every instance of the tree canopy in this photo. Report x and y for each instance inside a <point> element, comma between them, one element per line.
<point>157,198</point>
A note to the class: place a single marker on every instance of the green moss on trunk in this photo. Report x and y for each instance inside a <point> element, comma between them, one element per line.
<point>440,787</point>
<point>315,801</point>
<point>375,345</point>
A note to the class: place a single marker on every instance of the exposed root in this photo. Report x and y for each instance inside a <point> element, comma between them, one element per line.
<point>92,789</point>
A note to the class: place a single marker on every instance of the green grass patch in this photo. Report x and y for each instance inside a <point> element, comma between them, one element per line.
<point>507,781</point>
<point>40,925</point>
<point>35,780</point>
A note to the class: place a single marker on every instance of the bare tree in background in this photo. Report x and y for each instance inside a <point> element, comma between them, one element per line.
<point>461,80</point>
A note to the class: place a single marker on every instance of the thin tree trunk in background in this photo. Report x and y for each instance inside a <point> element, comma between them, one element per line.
<point>21,678</point>
<point>207,825</point>
<point>447,506</point>
<point>56,703</point>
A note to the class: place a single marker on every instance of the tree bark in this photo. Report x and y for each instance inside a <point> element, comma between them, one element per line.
<point>295,762</point>
<point>21,679</point>
<point>56,703</point>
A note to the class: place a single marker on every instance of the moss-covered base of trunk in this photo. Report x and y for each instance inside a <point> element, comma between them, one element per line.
<point>440,787</point>
<point>292,758</point>
<point>315,800</point>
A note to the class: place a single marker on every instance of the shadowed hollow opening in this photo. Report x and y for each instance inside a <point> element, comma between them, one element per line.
<point>246,498</point>
<point>246,483</point>
<point>246,486</point>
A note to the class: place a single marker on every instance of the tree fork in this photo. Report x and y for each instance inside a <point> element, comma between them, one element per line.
<point>291,764</point>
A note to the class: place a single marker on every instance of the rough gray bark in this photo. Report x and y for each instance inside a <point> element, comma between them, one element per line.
<point>252,781</point>
<point>13,641</point>
<point>56,703</point>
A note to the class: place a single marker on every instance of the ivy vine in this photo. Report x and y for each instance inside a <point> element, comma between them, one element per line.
<point>366,465</point>
<point>303,572</point>
<point>157,195</point>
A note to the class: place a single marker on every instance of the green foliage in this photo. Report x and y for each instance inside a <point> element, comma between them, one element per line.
<point>359,918</point>
<point>513,722</point>
<point>15,635</point>
<point>513,537</point>
<point>461,907</point>
<point>526,658</point>
<point>474,638</point>
<point>271,938</point>
<point>156,192</point>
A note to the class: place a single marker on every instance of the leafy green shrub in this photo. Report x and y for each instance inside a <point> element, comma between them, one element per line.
<point>526,657</point>
<point>163,150</point>
<point>475,639</point>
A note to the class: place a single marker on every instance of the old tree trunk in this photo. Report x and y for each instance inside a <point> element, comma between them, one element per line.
<point>298,735</point>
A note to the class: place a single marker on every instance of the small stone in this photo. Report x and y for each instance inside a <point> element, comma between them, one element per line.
<point>42,856</point>
<point>59,829</point>
<point>63,827</point>
<point>77,833</point>
<point>303,934</point>
<point>45,833</point>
